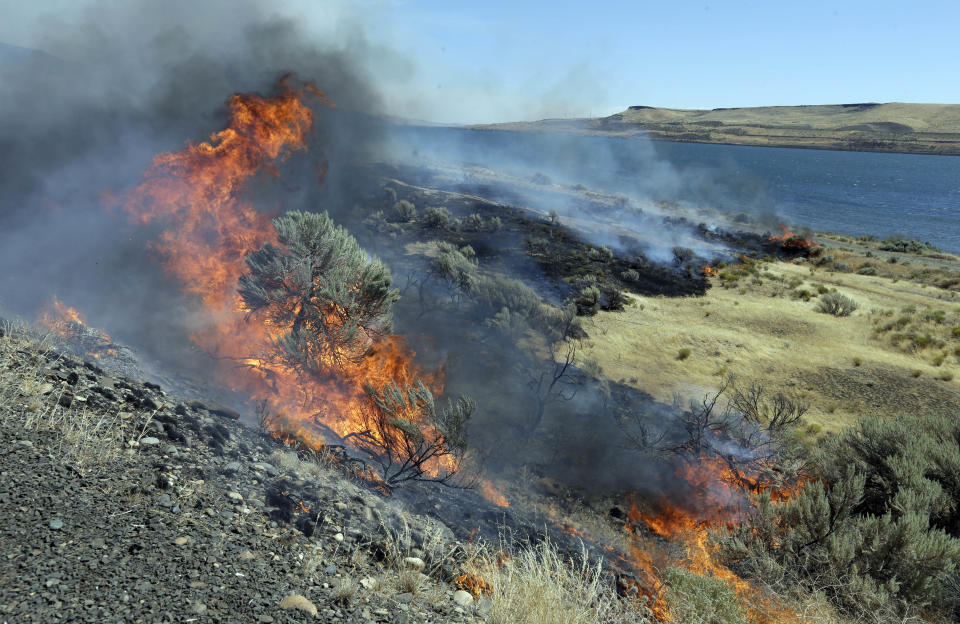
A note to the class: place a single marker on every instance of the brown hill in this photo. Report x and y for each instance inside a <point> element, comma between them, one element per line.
<point>891,127</point>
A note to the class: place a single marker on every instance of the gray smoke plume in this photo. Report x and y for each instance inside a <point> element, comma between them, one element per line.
<point>100,89</point>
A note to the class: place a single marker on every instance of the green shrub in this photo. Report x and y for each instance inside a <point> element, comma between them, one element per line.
<point>841,267</point>
<point>907,245</point>
<point>438,217</point>
<point>404,211</point>
<point>631,275</point>
<point>474,222</point>
<point>867,270</point>
<point>684,353</point>
<point>692,597</point>
<point>878,527</point>
<point>836,304</point>
<point>588,301</point>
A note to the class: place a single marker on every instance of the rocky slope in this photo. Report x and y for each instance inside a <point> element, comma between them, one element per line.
<point>123,503</point>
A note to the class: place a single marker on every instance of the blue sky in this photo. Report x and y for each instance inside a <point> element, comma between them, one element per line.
<point>536,59</point>
<point>495,60</point>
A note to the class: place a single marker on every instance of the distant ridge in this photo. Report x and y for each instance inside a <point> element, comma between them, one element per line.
<point>864,126</point>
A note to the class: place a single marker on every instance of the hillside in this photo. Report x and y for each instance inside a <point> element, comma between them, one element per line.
<point>869,127</point>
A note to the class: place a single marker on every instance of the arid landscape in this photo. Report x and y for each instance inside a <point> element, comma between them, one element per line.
<point>271,352</point>
<point>866,127</point>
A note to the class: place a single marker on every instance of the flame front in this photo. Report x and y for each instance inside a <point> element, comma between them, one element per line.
<point>207,228</point>
<point>55,319</point>
<point>716,499</point>
<point>793,242</point>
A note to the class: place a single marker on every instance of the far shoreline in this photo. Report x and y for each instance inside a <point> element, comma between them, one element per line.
<point>644,135</point>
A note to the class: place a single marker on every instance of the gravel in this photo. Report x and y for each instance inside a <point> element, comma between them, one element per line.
<point>201,520</point>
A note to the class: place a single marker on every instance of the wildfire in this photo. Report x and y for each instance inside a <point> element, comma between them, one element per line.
<point>473,584</point>
<point>67,322</point>
<point>793,242</point>
<point>493,494</point>
<point>708,271</point>
<point>196,197</point>
<point>717,499</point>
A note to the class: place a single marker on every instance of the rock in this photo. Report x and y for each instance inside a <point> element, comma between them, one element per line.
<point>338,537</point>
<point>149,441</point>
<point>198,607</point>
<point>296,601</point>
<point>26,443</point>
<point>164,500</point>
<point>462,598</point>
<point>232,467</point>
<point>265,467</point>
<point>181,541</point>
<point>414,563</point>
<point>247,555</point>
<point>56,524</point>
<point>235,496</point>
<point>330,569</point>
<point>369,583</point>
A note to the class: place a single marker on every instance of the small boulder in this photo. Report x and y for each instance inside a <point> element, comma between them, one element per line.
<point>296,601</point>
<point>462,598</point>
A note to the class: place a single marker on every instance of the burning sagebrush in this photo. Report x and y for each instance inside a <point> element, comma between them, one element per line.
<point>310,323</point>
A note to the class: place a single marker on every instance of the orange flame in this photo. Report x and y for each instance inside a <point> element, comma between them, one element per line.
<point>196,196</point>
<point>65,321</point>
<point>61,319</point>
<point>793,242</point>
<point>493,494</point>
<point>473,584</point>
<point>708,271</point>
<point>717,499</point>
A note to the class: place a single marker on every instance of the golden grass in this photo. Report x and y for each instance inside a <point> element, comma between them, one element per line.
<point>85,439</point>
<point>777,340</point>
<point>539,586</point>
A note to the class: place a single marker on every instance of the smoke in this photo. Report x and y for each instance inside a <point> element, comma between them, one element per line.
<point>105,86</point>
<point>609,189</point>
<point>117,83</point>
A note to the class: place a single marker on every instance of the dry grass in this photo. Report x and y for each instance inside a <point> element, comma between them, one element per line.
<point>770,334</point>
<point>85,439</point>
<point>540,586</point>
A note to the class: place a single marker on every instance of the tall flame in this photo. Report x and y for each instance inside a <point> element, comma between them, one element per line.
<point>196,197</point>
